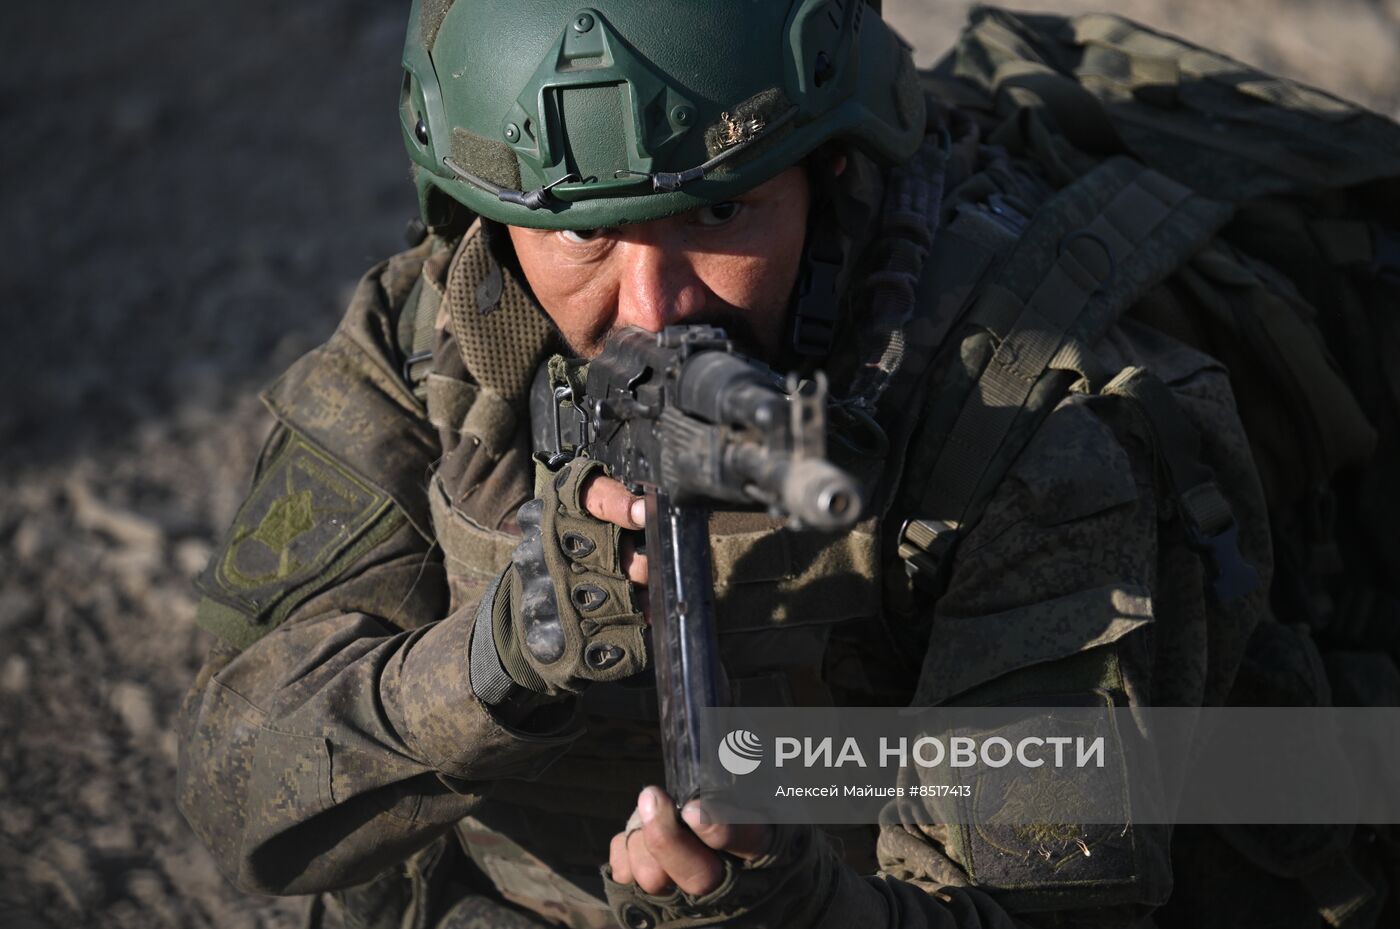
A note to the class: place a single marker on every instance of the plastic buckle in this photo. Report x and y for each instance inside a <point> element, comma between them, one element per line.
<point>1231,577</point>
<point>926,547</point>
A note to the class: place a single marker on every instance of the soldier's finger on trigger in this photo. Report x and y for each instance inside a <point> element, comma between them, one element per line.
<point>617,859</point>
<point>633,564</point>
<point>646,872</point>
<point>608,500</point>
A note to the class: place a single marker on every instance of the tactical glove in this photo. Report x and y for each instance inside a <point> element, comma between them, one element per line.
<point>562,615</point>
<point>787,887</point>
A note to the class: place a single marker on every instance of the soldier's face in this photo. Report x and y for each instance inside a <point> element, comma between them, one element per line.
<point>731,265</point>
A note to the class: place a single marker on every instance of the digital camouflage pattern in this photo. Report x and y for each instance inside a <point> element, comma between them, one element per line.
<point>356,716</point>
<point>333,741</point>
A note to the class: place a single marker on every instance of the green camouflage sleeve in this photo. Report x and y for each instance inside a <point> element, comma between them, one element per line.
<point>333,730</point>
<point>1076,585</point>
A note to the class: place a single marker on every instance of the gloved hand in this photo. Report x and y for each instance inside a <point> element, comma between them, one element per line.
<point>566,612</point>
<point>712,874</point>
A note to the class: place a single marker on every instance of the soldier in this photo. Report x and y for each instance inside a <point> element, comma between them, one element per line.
<point>373,724</point>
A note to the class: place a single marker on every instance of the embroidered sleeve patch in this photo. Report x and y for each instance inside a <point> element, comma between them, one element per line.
<point>307,518</point>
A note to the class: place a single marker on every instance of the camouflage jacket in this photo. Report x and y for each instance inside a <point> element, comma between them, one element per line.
<point>333,734</point>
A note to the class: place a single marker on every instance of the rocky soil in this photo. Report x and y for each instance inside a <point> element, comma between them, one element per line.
<point>188,192</point>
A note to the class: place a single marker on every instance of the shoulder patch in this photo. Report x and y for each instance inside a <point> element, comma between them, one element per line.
<point>307,518</point>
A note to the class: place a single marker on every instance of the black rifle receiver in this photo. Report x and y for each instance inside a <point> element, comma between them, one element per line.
<point>681,418</point>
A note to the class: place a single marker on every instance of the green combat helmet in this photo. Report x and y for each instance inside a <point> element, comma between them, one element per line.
<point>563,116</point>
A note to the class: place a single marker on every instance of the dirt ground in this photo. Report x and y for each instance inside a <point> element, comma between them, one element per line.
<point>189,191</point>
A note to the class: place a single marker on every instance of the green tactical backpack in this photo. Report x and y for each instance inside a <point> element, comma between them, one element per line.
<point>1314,184</point>
<point>1278,208</point>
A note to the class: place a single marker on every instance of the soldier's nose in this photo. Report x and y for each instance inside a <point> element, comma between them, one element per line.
<point>658,286</point>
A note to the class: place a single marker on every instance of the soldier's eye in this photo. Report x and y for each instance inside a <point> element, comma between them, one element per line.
<point>581,235</point>
<point>717,214</point>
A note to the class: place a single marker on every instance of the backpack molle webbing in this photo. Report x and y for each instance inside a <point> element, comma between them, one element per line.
<point>1090,252</point>
<point>1316,186</point>
<point>1316,181</point>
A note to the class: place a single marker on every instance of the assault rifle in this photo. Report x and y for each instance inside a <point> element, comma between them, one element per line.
<point>681,418</point>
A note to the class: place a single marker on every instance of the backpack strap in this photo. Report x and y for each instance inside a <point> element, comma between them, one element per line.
<point>1210,527</point>
<point>1091,252</point>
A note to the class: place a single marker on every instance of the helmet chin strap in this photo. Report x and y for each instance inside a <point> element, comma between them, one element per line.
<point>816,300</point>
